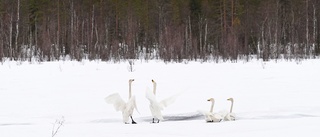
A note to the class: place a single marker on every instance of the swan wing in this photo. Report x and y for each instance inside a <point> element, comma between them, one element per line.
<point>116,101</point>
<point>216,117</point>
<point>168,101</point>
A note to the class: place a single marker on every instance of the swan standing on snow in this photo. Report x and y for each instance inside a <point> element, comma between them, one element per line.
<point>155,106</point>
<point>210,116</point>
<point>120,105</point>
<point>230,116</point>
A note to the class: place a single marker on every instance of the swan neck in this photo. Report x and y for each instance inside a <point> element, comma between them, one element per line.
<point>129,90</point>
<point>231,106</point>
<point>212,104</point>
<point>154,88</point>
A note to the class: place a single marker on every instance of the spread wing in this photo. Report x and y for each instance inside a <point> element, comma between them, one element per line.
<point>168,101</point>
<point>164,103</point>
<point>117,101</point>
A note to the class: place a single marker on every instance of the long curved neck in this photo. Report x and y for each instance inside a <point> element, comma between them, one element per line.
<point>231,106</point>
<point>154,88</point>
<point>129,90</point>
<point>212,104</point>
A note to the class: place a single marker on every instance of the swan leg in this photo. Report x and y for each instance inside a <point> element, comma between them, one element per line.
<point>133,122</point>
<point>153,120</point>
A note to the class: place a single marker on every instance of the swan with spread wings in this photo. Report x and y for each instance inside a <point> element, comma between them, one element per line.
<point>155,106</point>
<point>125,107</point>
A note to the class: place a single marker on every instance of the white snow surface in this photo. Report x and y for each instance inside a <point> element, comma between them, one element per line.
<point>270,98</point>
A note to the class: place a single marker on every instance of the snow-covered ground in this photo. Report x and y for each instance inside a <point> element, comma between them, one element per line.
<point>271,98</point>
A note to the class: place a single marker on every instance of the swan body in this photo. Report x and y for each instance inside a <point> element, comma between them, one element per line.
<point>230,116</point>
<point>210,116</point>
<point>155,106</point>
<point>125,107</point>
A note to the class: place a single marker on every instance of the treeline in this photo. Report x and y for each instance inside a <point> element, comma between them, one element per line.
<point>171,30</point>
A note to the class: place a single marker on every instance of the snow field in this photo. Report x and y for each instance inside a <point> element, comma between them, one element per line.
<point>271,98</point>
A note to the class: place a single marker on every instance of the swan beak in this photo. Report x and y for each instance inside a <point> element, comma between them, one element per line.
<point>152,80</point>
<point>208,100</point>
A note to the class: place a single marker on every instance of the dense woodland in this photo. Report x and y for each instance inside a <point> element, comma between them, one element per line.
<point>170,30</point>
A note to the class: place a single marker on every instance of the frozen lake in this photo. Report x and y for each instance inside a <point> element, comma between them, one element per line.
<point>271,98</point>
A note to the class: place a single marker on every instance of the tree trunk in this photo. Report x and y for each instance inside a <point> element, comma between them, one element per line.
<point>17,25</point>
<point>10,40</point>
<point>307,28</point>
<point>58,33</point>
<point>314,30</point>
<point>72,50</point>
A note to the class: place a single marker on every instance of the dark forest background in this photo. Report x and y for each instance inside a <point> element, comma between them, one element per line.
<point>170,30</point>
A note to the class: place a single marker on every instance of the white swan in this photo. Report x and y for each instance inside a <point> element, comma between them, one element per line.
<point>230,116</point>
<point>210,116</point>
<point>155,106</point>
<point>120,105</point>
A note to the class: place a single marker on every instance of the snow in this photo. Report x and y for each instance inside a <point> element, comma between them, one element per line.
<point>270,98</point>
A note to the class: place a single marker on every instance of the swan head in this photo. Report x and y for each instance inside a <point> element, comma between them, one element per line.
<point>230,99</point>
<point>211,99</point>
<point>131,80</point>
<point>154,82</point>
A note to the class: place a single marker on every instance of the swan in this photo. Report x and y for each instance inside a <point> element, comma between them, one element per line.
<point>210,116</point>
<point>230,116</point>
<point>155,106</point>
<point>120,105</point>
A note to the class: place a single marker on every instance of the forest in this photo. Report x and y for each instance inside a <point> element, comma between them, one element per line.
<point>169,30</point>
